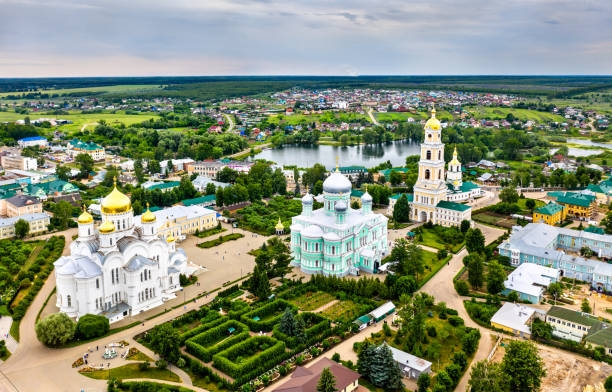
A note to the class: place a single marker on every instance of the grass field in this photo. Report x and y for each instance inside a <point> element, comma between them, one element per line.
<point>122,88</point>
<point>494,219</point>
<point>130,371</point>
<point>431,239</point>
<point>342,311</point>
<point>496,113</point>
<point>311,301</point>
<point>79,119</point>
<point>403,116</point>
<point>432,265</point>
<point>521,203</point>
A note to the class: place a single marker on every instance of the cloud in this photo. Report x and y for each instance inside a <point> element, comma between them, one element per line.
<point>224,37</point>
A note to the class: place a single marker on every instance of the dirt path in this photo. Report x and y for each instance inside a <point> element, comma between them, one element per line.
<point>372,117</point>
<point>327,305</point>
<point>230,121</point>
<point>88,124</point>
<point>261,146</point>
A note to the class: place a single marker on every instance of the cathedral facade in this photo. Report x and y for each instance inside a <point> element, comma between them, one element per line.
<point>337,240</point>
<point>119,268</point>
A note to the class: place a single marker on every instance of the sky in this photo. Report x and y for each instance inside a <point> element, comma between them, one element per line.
<point>40,38</point>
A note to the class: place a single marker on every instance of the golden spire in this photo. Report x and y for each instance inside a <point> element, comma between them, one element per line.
<point>148,216</point>
<point>337,164</point>
<point>433,110</point>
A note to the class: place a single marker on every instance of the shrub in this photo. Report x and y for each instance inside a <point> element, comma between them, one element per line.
<point>266,323</point>
<point>161,363</point>
<point>431,331</point>
<point>462,287</point>
<point>91,326</point>
<point>144,366</point>
<point>336,357</point>
<point>208,343</point>
<point>455,321</point>
<point>198,330</point>
<point>55,329</point>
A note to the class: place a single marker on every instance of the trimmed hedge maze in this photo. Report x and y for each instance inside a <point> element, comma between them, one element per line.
<point>206,344</point>
<point>246,360</point>
<point>265,317</point>
<point>317,328</point>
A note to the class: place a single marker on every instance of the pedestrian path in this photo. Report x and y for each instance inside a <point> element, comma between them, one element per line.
<point>5,327</point>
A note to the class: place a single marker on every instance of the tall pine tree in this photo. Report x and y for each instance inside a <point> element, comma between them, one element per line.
<point>327,382</point>
<point>401,210</point>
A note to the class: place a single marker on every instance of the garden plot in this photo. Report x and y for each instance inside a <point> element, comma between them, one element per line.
<point>343,311</point>
<point>312,301</point>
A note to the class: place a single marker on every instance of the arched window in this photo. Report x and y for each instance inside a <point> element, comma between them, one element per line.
<point>427,174</point>
<point>333,252</point>
<point>439,154</point>
<point>68,301</point>
<point>149,274</point>
<point>439,174</point>
<point>428,155</point>
<point>97,283</point>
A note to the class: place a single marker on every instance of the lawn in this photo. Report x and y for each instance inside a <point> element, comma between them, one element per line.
<point>220,240</point>
<point>132,370</point>
<point>342,311</point>
<point>493,219</point>
<point>311,301</point>
<point>432,266</point>
<point>527,211</point>
<point>79,119</point>
<point>497,113</point>
<point>433,240</point>
<point>403,116</point>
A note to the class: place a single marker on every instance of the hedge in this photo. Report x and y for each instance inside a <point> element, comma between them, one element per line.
<point>268,353</point>
<point>210,342</point>
<point>276,308</point>
<point>229,291</point>
<point>53,249</point>
<point>191,316</point>
<point>146,386</point>
<point>198,330</point>
<point>320,328</point>
<point>200,370</point>
<point>238,309</point>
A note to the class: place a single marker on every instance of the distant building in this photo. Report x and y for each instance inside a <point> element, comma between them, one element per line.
<point>204,201</point>
<point>19,162</point>
<point>552,214</point>
<point>530,280</point>
<point>162,186</point>
<point>201,181</point>
<point>44,190</point>
<point>38,222</point>
<point>178,221</point>
<point>32,141</point>
<point>77,147</point>
<point>19,205</point>
<point>516,319</point>
<point>573,325</point>
<point>352,172</point>
<point>579,205</point>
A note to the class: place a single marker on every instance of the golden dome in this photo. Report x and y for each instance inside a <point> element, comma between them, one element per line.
<point>148,216</point>
<point>170,238</point>
<point>106,227</point>
<point>116,202</point>
<point>279,225</point>
<point>455,161</point>
<point>433,123</point>
<point>85,217</point>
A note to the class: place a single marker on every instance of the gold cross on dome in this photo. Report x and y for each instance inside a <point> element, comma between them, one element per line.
<point>337,163</point>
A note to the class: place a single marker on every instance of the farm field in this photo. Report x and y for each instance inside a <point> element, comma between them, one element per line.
<point>311,301</point>
<point>80,119</point>
<point>496,113</point>
<point>122,88</point>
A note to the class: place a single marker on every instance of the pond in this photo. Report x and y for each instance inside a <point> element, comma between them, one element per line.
<point>589,142</point>
<point>363,155</point>
<point>579,152</point>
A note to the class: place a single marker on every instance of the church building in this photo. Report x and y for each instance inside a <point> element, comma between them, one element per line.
<point>337,240</point>
<point>119,268</point>
<point>433,196</point>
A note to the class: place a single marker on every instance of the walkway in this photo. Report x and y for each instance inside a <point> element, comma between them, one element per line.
<point>372,117</point>
<point>257,147</point>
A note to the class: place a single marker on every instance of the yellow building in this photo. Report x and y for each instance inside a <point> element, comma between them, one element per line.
<point>578,205</point>
<point>551,214</point>
<point>178,221</point>
<point>19,205</point>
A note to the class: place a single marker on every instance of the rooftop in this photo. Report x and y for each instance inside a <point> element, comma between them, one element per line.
<point>549,209</point>
<point>573,316</point>
<point>514,316</point>
<point>306,379</point>
<point>449,205</point>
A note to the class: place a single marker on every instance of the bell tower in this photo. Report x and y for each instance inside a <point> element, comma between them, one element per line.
<point>430,187</point>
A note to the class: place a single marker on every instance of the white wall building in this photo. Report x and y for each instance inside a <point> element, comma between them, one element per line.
<point>117,269</point>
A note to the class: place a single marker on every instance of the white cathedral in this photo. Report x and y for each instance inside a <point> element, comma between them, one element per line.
<point>118,269</point>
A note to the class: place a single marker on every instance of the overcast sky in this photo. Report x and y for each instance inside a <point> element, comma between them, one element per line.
<point>304,37</point>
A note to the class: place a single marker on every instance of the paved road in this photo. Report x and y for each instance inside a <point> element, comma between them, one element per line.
<point>230,120</point>
<point>261,146</point>
<point>372,117</point>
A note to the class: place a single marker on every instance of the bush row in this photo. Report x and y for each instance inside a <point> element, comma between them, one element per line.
<point>191,316</point>
<point>275,308</point>
<point>261,353</point>
<point>204,345</point>
<point>238,308</point>
<point>53,249</point>
<point>229,291</point>
<point>198,330</point>
<point>200,370</point>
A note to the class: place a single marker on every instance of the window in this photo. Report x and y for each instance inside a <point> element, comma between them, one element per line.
<point>97,284</point>
<point>333,252</point>
<point>427,174</point>
<point>428,155</point>
<point>68,301</point>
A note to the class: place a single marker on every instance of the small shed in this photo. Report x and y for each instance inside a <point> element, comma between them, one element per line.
<point>363,321</point>
<point>411,366</point>
<point>383,311</point>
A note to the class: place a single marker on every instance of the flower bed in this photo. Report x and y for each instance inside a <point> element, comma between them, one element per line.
<point>216,339</point>
<point>268,315</point>
<point>78,362</point>
<point>219,240</point>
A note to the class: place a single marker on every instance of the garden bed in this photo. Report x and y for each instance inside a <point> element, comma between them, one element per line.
<point>216,339</point>
<point>264,317</point>
<point>312,301</point>
<point>129,371</point>
<point>220,240</point>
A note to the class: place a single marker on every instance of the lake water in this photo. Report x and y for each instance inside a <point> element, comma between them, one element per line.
<point>589,142</point>
<point>579,152</point>
<point>368,156</point>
